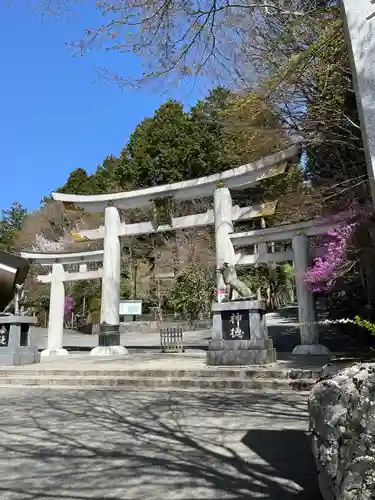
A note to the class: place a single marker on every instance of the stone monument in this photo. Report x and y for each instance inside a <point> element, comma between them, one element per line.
<point>239,330</point>
<point>14,328</point>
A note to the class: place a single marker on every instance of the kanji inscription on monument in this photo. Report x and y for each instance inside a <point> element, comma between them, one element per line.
<point>4,336</point>
<point>235,325</point>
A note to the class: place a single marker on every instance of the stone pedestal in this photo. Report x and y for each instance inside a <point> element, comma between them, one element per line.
<point>14,341</point>
<point>239,334</point>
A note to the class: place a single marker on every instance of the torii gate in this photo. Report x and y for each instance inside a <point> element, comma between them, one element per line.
<point>222,217</point>
<point>301,255</point>
<point>57,294</point>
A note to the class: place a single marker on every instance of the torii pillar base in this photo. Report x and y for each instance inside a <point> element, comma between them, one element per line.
<point>113,350</point>
<point>311,350</point>
<point>47,353</point>
<point>109,342</point>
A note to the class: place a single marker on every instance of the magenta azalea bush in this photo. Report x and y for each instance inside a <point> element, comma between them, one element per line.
<point>324,270</point>
<point>68,305</point>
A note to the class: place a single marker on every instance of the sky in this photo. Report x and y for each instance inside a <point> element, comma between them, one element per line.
<point>56,114</point>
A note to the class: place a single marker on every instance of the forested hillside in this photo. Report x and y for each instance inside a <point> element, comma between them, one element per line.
<point>303,92</point>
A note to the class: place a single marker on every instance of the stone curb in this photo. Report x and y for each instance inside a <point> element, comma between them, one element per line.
<point>242,374</point>
<point>154,382</point>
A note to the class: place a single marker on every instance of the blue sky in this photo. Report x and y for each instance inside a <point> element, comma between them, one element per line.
<point>55,114</point>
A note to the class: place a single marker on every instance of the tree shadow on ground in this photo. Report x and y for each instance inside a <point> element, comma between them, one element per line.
<point>285,457</point>
<point>120,445</point>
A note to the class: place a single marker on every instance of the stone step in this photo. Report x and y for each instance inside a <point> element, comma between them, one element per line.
<point>156,382</point>
<point>242,374</point>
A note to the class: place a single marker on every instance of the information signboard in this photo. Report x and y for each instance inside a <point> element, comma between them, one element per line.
<point>130,308</point>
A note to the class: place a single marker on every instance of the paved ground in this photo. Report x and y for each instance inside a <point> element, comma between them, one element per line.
<point>78,444</point>
<point>101,445</point>
<point>283,328</point>
<point>192,360</point>
<point>71,338</point>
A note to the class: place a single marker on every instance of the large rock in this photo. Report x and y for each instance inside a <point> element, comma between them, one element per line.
<point>342,424</point>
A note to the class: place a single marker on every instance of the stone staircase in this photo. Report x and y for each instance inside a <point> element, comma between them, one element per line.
<point>238,378</point>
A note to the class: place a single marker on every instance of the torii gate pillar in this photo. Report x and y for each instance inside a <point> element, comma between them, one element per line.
<point>223,228</point>
<point>359,17</point>
<point>109,334</point>
<point>56,314</point>
<point>306,304</point>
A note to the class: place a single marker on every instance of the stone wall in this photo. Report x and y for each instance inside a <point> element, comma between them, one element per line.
<point>342,424</point>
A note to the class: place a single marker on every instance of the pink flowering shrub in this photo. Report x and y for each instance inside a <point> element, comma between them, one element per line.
<point>68,305</point>
<point>322,274</point>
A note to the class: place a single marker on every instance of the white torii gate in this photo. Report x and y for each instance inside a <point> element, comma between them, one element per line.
<point>57,277</point>
<point>301,255</point>
<point>238,178</point>
<point>57,261</point>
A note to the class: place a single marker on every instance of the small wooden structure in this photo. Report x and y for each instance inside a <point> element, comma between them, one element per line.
<point>171,339</point>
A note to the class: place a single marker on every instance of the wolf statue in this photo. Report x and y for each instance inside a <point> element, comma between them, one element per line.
<point>233,284</point>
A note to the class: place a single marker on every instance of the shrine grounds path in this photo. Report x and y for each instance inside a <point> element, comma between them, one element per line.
<point>130,445</point>
<point>283,328</point>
